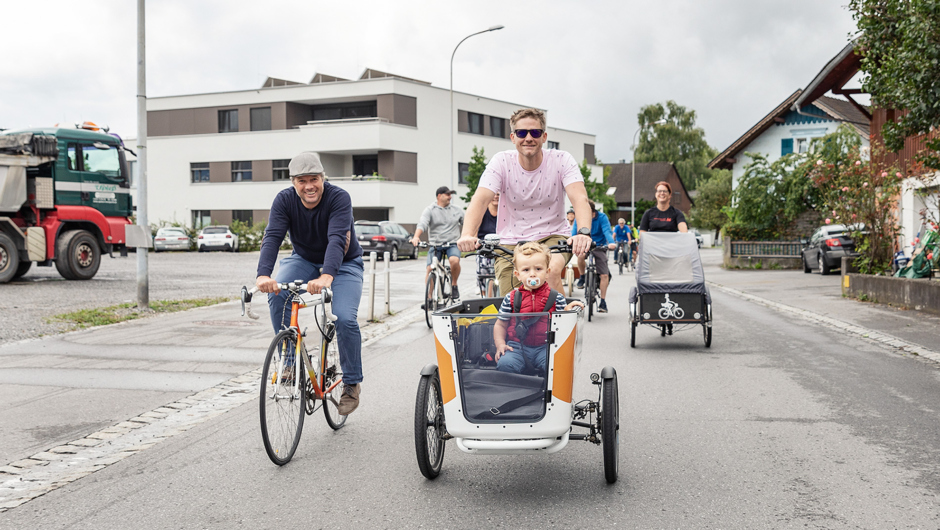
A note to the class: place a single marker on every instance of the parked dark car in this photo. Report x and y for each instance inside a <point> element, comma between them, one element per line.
<point>824,250</point>
<point>385,236</point>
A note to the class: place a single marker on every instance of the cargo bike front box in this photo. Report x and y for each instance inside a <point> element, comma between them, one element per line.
<point>487,411</point>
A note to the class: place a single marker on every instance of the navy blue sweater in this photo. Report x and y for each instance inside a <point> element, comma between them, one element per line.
<point>322,235</point>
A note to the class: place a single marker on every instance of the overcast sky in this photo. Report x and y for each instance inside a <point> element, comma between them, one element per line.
<point>591,64</point>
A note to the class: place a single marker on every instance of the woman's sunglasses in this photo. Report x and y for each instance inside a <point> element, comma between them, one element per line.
<point>521,133</point>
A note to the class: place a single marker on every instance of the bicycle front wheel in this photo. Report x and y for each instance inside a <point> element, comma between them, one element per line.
<point>333,378</point>
<point>282,398</point>
<point>589,291</point>
<point>430,298</point>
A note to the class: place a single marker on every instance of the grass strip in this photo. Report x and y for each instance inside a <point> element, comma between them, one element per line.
<point>102,316</point>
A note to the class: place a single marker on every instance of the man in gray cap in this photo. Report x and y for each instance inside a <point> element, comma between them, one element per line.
<point>319,218</point>
<point>442,221</point>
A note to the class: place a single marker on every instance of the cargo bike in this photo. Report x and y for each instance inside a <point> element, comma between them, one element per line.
<point>670,286</point>
<point>464,398</point>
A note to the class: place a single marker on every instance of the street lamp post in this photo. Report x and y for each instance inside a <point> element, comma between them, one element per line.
<point>633,175</point>
<point>453,170</point>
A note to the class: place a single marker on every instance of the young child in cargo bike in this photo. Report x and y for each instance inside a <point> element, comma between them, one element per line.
<point>523,341</point>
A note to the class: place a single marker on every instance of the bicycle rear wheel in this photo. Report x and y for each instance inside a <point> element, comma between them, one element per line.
<point>333,378</point>
<point>282,398</point>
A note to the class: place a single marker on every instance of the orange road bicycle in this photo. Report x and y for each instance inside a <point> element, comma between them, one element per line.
<point>298,379</point>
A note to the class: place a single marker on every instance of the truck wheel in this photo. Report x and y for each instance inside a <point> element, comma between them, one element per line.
<point>9,258</point>
<point>77,253</point>
<point>22,269</point>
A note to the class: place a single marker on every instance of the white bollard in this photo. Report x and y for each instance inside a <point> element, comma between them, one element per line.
<point>388,284</point>
<point>371,286</point>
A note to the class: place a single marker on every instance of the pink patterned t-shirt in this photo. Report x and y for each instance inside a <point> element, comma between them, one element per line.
<point>531,203</point>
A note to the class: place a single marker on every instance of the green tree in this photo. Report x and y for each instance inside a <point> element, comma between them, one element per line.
<point>597,189</point>
<point>678,141</point>
<point>475,171</point>
<point>641,206</point>
<point>899,41</point>
<point>769,197</point>
<point>714,195</point>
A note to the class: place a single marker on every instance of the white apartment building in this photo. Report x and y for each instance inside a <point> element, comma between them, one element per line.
<point>386,139</point>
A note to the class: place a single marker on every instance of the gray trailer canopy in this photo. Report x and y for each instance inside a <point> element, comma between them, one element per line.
<point>669,262</point>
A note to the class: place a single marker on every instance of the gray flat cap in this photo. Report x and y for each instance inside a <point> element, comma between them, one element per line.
<point>306,163</point>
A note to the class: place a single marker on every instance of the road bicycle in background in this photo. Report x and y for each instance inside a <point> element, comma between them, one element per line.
<point>298,377</point>
<point>592,285</point>
<point>437,293</point>
<point>486,277</point>
<point>624,261</point>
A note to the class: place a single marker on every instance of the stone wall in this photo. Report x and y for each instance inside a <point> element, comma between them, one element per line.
<point>921,294</point>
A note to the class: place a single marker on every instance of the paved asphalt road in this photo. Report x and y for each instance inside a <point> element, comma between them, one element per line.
<point>782,423</point>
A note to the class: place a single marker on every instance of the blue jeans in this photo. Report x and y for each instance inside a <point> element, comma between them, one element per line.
<point>514,361</point>
<point>347,291</point>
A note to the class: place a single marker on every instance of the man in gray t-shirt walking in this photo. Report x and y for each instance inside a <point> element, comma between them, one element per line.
<point>443,222</point>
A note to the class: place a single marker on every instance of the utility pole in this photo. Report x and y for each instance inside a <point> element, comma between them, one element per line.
<point>143,279</point>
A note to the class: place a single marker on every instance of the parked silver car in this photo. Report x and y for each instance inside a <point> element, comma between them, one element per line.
<point>217,238</point>
<point>171,238</point>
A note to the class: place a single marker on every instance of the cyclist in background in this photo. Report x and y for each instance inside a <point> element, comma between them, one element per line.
<point>624,237</point>
<point>604,239</point>
<point>487,227</point>
<point>442,221</point>
<point>663,218</point>
<point>319,218</point>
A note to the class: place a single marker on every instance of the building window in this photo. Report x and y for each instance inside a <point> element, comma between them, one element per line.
<point>786,146</point>
<point>476,123</point>
<point>260,119</point>
<point>552,145</point>
<point>201,218</point>
<point>497,127</point>
<point>365,164</point>
<point>280,169</point>
<point>228,121</point>
<point>199,171</point>
<point>802,145</point>
<point>242,215</point>
<point>359,109</point>
<point>241,171</point>
<point>463,171</point>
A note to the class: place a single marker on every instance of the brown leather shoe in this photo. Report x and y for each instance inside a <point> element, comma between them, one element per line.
<point>350,399</point>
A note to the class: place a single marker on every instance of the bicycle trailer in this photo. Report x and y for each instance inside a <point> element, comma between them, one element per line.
<point>670,285</point>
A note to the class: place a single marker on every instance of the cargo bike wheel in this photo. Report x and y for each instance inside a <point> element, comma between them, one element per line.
<point>707,325</point>
<point>610,426</point>
<point>429,425</point>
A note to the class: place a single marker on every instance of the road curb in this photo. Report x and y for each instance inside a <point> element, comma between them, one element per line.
<point>871,335</point>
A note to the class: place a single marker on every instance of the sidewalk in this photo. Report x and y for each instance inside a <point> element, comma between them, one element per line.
<point>819,298</point>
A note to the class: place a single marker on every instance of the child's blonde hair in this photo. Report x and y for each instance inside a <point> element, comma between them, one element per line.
<point>532,248</point>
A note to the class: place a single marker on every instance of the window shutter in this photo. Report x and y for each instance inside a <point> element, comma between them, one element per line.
<point>786,146</point>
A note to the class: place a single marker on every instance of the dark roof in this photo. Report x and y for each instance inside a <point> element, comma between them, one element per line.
<point>721,161</point>
<point>647,175</point>
<point>837,72</point>
<point>842,110</point>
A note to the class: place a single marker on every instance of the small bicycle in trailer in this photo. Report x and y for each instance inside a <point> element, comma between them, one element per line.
<point>671,288</point>
<point>486,411</point>
<point>297,379</point>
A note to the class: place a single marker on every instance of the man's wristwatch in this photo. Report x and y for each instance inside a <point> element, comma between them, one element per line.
<point>584,231</point>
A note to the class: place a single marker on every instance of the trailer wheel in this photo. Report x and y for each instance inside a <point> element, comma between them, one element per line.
<point>77,255</point>
<point>9,258</point>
